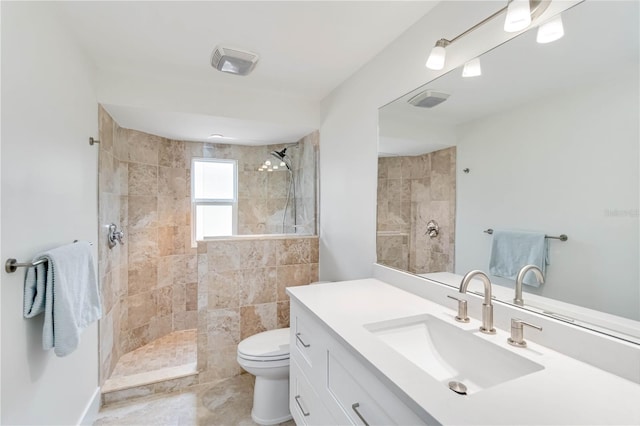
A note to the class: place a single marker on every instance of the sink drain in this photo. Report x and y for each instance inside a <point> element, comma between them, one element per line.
<point>458,388</point>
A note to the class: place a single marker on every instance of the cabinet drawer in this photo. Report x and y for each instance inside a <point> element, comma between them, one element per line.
<point>362,397</point>
<point>304,403</point>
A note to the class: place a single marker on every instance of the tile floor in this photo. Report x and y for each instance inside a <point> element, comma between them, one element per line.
<point>171,356</point>
<point>227,402</point>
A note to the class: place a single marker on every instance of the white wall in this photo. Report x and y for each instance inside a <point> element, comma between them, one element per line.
<point>349,134</point>
<point>49,198</point>
<point>576,161</point>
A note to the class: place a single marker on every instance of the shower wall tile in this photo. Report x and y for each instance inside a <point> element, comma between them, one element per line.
<point>411,192</point>
<point>142,212</point>
<point>143,179</point>
<point>106,130</point>
<point>172,182</point>
<point>173,211</point>
<point>143,245</point>
<point>172,154</point>
<point>142,147</point>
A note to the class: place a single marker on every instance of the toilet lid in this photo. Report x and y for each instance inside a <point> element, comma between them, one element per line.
<point>269,345</point>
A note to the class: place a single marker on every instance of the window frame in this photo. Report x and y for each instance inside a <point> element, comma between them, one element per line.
<point>195,202</point>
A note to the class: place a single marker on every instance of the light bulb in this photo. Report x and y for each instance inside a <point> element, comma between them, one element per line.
<point>518,16</point>
<point>436,57</point>
<point>267,163</point>
<point>282,164</point>
<point>472,68</point>
<point>550,31</point>
<point>275,167</point>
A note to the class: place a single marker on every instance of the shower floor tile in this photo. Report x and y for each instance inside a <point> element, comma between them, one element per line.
<point>168,357</point>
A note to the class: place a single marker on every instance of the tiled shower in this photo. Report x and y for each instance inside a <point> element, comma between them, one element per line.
<point>412,191</point>
<point>159,292</point>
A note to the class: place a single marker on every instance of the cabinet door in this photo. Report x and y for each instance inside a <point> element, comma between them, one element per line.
<point>308,344</point>
<point>304,403</point>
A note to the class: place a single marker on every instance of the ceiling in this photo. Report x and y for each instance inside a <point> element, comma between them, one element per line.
<point>306,48</point>
<point>599,41</point>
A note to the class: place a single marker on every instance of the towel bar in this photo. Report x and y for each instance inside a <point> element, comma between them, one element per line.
<point>12,265</point>
<point>562,237</point>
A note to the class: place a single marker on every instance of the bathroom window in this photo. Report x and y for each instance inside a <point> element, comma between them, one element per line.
<point>214,198</point>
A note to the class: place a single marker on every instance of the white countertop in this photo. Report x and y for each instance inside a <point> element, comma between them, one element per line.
<point>566,391</point>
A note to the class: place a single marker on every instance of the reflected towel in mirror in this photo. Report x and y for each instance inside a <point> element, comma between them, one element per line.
<point>511,250</point>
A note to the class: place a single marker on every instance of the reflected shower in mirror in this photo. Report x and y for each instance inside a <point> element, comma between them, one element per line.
<point>546,139</point>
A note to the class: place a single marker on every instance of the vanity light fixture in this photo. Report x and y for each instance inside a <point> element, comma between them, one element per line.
<point>518,16</point>
<point>438,55</point>
<point>520,13</point>
<point>551,30</point>
<point>472,68</point>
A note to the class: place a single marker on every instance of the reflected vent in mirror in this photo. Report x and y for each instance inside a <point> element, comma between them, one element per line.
<point>428,99</point>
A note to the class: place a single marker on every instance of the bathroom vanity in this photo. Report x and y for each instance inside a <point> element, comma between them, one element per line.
<point>367,352</point>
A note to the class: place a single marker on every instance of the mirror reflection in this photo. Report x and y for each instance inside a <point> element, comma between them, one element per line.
<point>545,139</point>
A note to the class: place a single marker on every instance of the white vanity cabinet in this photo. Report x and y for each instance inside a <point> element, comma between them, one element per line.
<point>329,386</point>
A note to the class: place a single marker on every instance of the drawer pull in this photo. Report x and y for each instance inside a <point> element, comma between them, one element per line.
<point>297,398</point>
<point>306,345</point>
<point>355,408</point>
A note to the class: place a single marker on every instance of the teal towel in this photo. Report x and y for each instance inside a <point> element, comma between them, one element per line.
<point>511,250</point>
<point>65,289</point>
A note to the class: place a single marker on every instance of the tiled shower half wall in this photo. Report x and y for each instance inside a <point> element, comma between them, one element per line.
<point>412,190</point>
<point>156,283</point>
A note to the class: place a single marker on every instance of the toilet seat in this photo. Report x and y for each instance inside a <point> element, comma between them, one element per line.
<point>268,346</point>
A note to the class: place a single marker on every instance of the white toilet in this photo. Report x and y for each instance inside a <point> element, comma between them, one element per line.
<point>266,356</point>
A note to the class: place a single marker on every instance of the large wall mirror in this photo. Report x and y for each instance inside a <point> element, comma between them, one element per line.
<point>546,139</point>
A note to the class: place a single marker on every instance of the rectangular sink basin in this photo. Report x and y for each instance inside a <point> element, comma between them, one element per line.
<point>449,353</point>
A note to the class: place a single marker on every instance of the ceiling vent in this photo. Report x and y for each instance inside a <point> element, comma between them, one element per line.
<point>428,99</point>
<point>233,61</point>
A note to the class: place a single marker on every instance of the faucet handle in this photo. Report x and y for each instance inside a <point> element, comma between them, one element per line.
<point>517,332</point>
<point>462,309</point>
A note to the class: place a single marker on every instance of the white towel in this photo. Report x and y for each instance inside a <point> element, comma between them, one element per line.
<point>65,289</point>
<point>511,250</point>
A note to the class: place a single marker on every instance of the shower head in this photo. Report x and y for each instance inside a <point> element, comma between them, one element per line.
<point>282,156</point>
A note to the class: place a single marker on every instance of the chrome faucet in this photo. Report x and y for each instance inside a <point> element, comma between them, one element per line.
<point>487,307</point>
<point>520,278</point>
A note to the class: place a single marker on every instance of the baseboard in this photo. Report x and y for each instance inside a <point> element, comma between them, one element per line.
<point>91,411</point>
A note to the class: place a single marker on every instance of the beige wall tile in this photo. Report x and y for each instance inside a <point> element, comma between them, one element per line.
<point>172,182</point>
<point>142,147</point>
<point>142,276</point>
<point>171,240</point>
<point>222,364</point>
<point>141,308</point>
<point>257,318</point>
<point>283,314</point>
<point>223,327</point>
<point>143,179</point>
<point>223,290</point>
<point>291,276</point>
<point>293,251</point>
<point>171,154</point>
<point>257,286</point>
<point>143,245</point>
<point>142,212</point>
